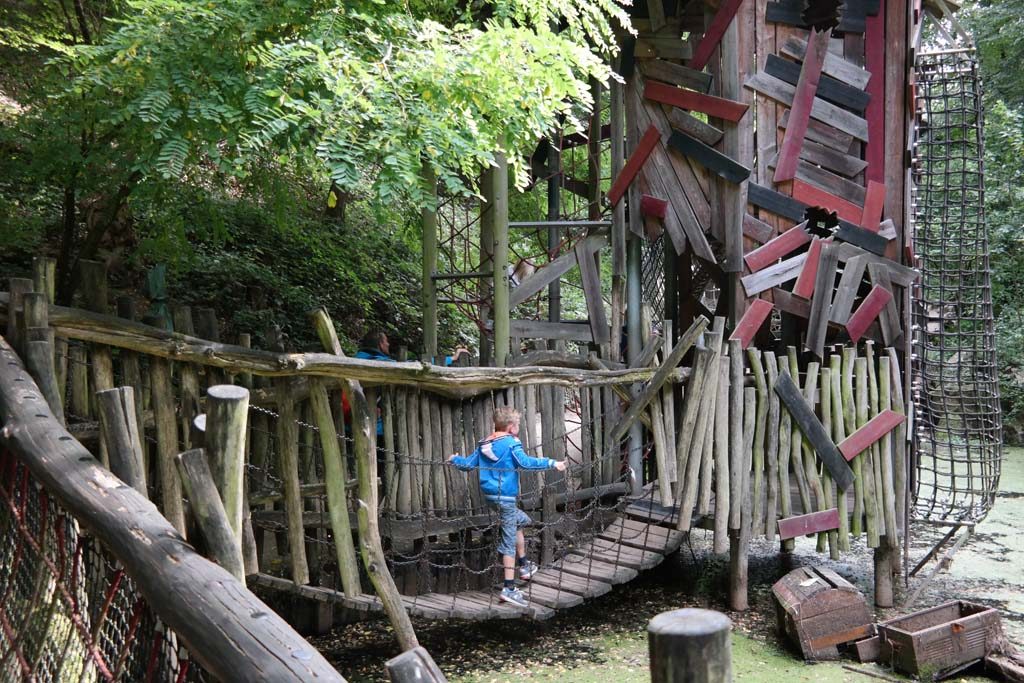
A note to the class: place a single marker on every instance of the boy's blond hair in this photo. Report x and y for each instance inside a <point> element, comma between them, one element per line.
<point>505,416</point>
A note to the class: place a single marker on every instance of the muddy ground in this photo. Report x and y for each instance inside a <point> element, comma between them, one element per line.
<point>605,639</point>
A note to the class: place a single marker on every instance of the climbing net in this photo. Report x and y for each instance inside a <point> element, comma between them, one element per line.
<point>956,391</point>
<point>68,611</point>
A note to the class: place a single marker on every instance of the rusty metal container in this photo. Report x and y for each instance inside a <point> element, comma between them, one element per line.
<point>932,642</point>
<point>818,610</point>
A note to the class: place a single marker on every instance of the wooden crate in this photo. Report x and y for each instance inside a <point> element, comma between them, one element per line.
<point>935,640</point>
<point>818,610</point>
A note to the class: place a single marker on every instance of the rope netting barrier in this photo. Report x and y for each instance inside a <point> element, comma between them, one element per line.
<point>68,611</point>
<point>958,417</point>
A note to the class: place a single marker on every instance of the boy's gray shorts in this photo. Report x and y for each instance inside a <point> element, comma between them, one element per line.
<point>510,519</point>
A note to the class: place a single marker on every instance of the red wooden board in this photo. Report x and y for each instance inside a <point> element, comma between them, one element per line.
<point>868,310</point>
<point>805,283</point>
<point>653,207</point>
<point>633,165</point>
<point>751,322</point>
<point>713,34</point>
<point>774,249</point>
<point>875,429</point>
<point>814,196</point>
<point>812,523</point>
<point>717,107</point>
<point>803,100</point>
<point>873,202</point>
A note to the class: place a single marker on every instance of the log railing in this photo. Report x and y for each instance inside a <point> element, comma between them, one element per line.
<point>99,585</point>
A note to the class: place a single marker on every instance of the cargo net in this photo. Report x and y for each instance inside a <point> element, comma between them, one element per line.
<point>68,610</point>
<point>958,420</point>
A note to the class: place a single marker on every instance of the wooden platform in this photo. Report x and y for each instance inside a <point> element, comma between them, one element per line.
<point>637,540</point>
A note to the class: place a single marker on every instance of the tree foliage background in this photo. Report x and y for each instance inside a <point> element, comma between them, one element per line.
<point>274,147</point>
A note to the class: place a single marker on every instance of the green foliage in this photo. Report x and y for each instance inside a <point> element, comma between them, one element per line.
<point>369,89</point>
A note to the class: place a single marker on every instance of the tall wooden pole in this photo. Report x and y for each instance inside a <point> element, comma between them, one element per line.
<point>429,224</point>
<point>486,258</point>
<point>618,155</point>
<point>499,203</point>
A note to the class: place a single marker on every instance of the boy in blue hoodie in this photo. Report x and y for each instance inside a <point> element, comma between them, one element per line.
<point>499,458</point>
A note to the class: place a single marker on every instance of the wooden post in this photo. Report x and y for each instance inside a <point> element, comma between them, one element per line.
<point>691,645</point>
<point>736,417</point>
<point>869,507</point>
<point>17,288</point>
<point>771,503</point>
<point>288,461</point>
<point>335,476</point>
<point>44,276</point>
<point>723,475</point>
<point>827,496</point>
<point>499,210</point>
<point>227,415</point>
<point>760,427</point>
<point>94,291</point>
<point>618,237</point>
<point>78,360</point>
<point>209,512</point>
<point>838,434</point>
<point>849,408</point>
<point>131,371</point>
<point>739,543</point>
<point>166,442</point>
<point>485,283</point>
<point>785,452</point>
<point>120,430</point>
<point>428,223</point>
<point>369,530</point>
<point>189,378</point>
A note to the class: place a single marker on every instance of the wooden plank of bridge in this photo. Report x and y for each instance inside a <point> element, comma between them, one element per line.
<point>585,586</point>
<point>555,598</point>
<point>653,512</point>
<point>643,536</point>
<point>586,566</point>
<point>618,554</point>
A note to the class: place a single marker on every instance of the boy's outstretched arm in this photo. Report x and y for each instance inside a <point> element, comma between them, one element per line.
<point>526,462</point>
<point>465,462</point>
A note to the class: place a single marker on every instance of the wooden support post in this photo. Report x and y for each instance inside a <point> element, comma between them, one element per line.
<point>369,529</point>
<point>690,645</point>
<point>335,476</point>
<point>44,276</point>
<point>119,429</point>
<point>736,415</point>
<point>17,288</point>
<point>485,284</point>
<point>166,442</point>
<point>189,378</point>
<point>618,236</point>
<point>131,370</point>
<point>827,498</point>
<point>209,512</point>
<point>288,462</point>
<point>838,434</point>
<point>227,416</point>
<point>39,357</point>
<point>499,211</point>
<point>739,543</point>
<point>722,472</point>
<point>760,428</point>
<point>785,454</point>
<point>772,448</point>
<point>94,290</point>
<point>428,223</point>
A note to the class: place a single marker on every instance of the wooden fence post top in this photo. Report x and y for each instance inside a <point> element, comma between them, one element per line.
<point>690,621</point>
<point>227,392</point>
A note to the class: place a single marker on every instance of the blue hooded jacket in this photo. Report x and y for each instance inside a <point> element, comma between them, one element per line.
<point>499,459</point>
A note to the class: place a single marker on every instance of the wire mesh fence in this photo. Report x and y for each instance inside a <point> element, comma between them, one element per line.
<point>958,431</point>
<point>68,611</point>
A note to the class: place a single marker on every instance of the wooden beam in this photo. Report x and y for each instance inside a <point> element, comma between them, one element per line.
<point>811,523</point>
<point>789,241</point>
<point>865,239</point>
<point>846,292</point>
<point>813,196</point>
<point>804,286</point>
<point>826,112</point>
<point>868,310</point>
<point>811,427</point>
<point>824,286</point>
<point>803,100</point>
<point>756,229</point>
<point>653,388</point>
<point>829,89</point>
<point>713,33</point>
<point>636,161</point>
<point>773,276</point>
<point>590,276</point>
<point>875,429</point>
<point>834,65</point>
<point>901,275</point>
<point>752,320</point>
<point>688,123</point>
<point>653,207</point>
<point>823,134</point>
<point>713,160</point>
<point>717,107</point>
<point>676,74</point>
<point>871,219</point>
<point>889,318</point>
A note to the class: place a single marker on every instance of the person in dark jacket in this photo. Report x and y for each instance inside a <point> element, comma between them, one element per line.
<point>499,458</point>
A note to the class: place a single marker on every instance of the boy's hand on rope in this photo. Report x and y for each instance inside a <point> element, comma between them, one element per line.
<point>561,465</point>
<point>452,457</point>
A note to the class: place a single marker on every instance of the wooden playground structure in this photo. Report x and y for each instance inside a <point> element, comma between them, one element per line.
<point>745,369</point>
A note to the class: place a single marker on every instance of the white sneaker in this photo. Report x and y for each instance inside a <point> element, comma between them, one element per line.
<point>514,596</point>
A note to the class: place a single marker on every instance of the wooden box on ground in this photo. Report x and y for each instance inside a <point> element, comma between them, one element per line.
<point>818,610</point>
<point>933,641</point>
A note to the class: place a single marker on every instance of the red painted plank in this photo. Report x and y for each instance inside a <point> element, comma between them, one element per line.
<point>774,249</point>
<point>653,207</point>
<point>803,101</point>
<point>873,202</point>
<point>874,62</point>
<point>875,429</point>
<point>814,196</point>
<point>751,322</point>
<point>805,283</point>
<point>713,34</point>
<point>633,165</point>
<point>730,110</point>
<point>868,310</point>
<point>812,523</point>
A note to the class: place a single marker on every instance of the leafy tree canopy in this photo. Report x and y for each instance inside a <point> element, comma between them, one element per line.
<point>368,88</point>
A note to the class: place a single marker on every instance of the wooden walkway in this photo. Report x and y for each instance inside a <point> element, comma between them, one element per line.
<point>638,539</point>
